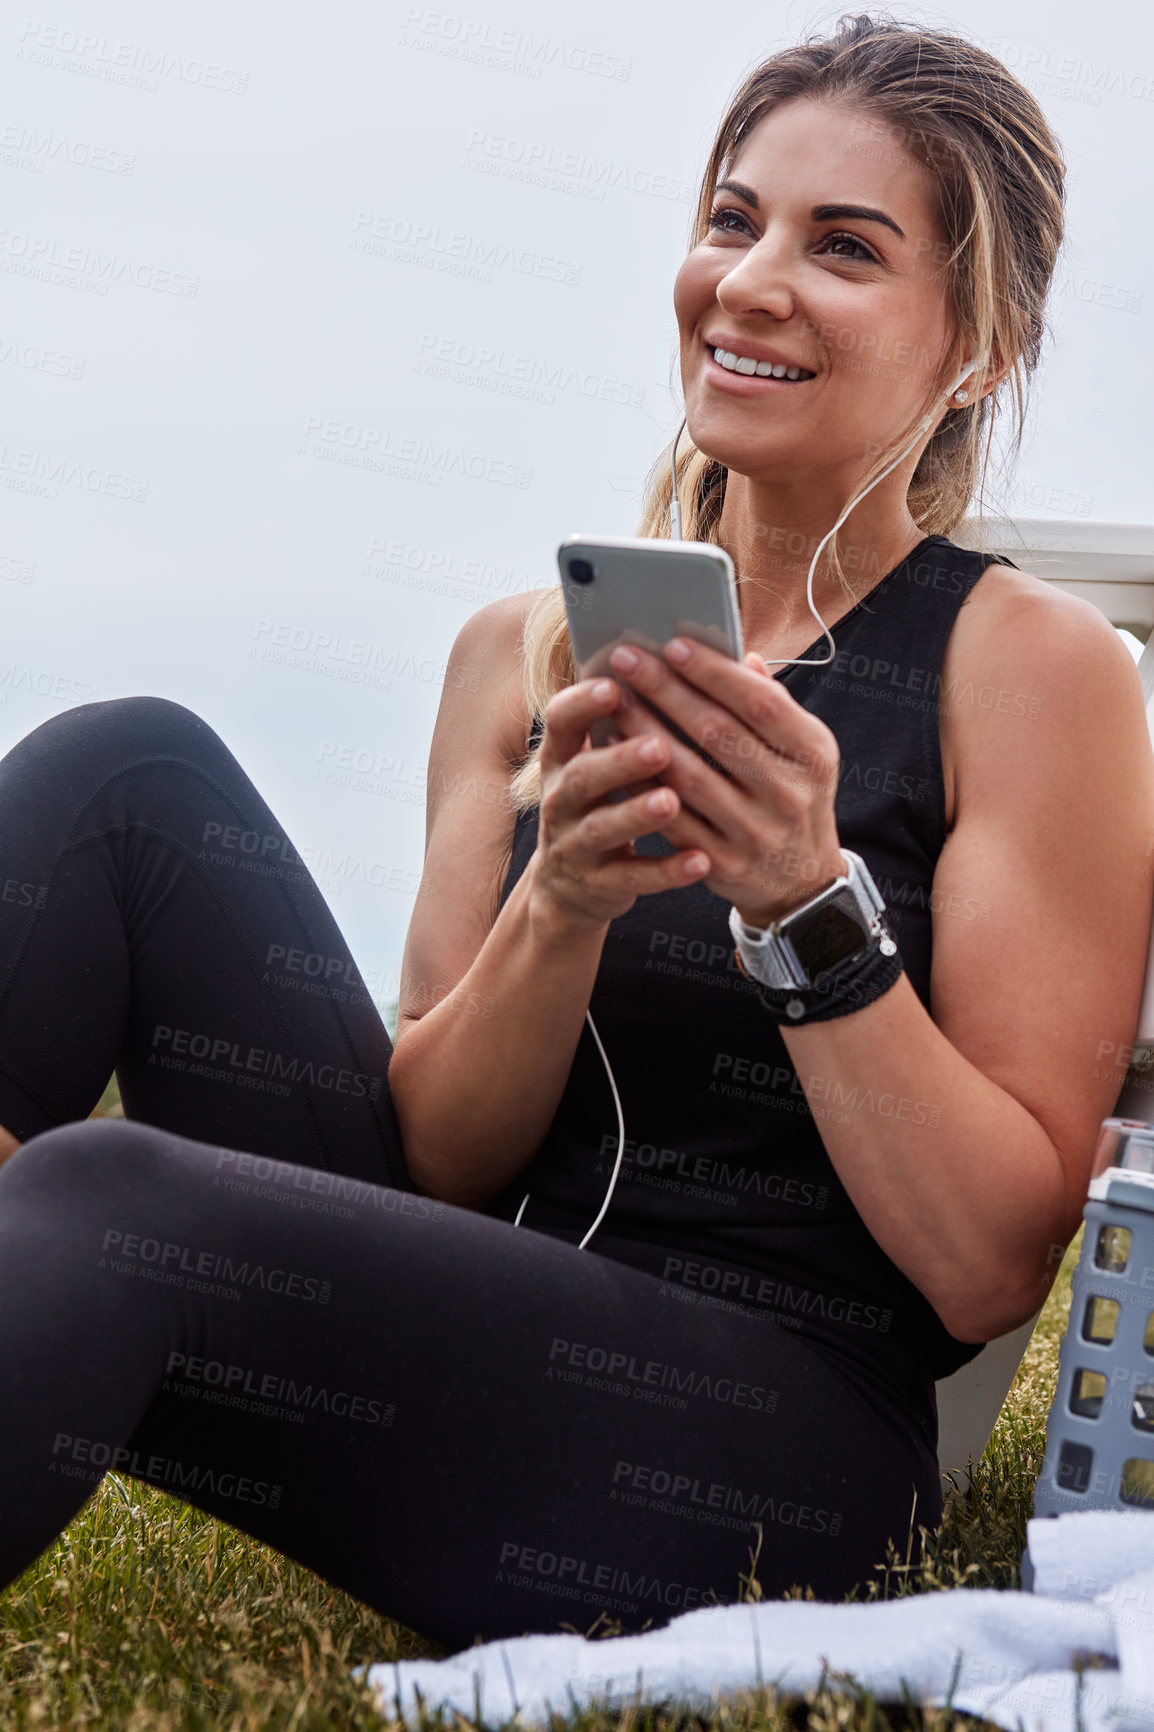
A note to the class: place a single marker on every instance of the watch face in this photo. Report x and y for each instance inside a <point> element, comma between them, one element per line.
<point>826,938</point>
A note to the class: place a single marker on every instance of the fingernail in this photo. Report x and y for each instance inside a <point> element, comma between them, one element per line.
<point>603,690</point>
<point>625,659</point>
<point>677,650</point>
<point>650,750</point>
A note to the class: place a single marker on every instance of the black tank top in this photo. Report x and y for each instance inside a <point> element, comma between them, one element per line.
<point>726,1191</point>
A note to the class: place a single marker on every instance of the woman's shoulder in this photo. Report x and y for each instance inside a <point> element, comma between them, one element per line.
<point>489,647</point>
<point>1014,621</point>
<point>1031,669</point>
<point>500,623</point>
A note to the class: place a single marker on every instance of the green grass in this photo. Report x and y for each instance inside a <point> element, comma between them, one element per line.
<point>148,1616</point>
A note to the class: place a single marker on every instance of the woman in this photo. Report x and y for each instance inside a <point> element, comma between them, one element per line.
<point>828,1196</point>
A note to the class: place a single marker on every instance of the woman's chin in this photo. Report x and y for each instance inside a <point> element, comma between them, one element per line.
<point>757,459</point>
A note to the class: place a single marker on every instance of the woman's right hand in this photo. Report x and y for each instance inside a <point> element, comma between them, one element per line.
<point>585,867</point>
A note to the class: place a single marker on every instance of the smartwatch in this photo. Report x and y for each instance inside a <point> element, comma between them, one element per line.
<point>835,927</point>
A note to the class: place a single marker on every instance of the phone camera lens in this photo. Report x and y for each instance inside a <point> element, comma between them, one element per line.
<point>581,571</point>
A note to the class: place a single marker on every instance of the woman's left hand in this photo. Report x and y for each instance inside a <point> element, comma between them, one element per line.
<point>766,820</point>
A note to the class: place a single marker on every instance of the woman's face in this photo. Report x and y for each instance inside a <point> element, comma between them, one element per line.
<point>827,258</point>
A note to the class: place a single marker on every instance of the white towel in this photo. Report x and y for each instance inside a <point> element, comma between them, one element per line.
<point>1017,1659</point>
<point>1078,1557</point>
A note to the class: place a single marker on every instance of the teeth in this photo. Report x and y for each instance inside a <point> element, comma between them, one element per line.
<point>734,363</point>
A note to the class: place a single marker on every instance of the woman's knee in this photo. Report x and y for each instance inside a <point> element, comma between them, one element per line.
<point>149,724</point>
<point>91,1156</point>
<point>112,733</point>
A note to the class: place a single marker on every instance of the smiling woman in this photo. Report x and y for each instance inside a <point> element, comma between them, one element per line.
<point>293,1290</point>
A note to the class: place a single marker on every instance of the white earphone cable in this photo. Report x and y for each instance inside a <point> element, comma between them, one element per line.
<point>612,1186</point>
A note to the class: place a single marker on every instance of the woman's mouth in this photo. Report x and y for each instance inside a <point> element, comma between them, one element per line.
<point>748,367</point>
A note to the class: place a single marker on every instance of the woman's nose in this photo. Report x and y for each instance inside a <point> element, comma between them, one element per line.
<point>761,280</point>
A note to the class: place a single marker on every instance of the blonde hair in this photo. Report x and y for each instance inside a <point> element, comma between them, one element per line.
<point>998,178</point>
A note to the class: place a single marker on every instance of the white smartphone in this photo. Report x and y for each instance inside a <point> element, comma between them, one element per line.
<point>634,589</point>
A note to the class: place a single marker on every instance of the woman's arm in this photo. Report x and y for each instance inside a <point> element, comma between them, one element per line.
<point>976,1184</point>
<point>965,1141</point>
<point>492,1004</point>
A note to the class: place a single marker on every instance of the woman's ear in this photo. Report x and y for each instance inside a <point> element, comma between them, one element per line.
<point>994,370</point>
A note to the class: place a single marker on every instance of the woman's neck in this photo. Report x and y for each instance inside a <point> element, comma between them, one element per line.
<point>771,534</point>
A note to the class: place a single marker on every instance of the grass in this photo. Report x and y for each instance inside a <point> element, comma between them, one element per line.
<point>148,1616</point>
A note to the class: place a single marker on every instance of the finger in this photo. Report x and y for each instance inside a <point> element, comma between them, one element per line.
<point>569,715</point>
<point>646,874</point>
<point>736,752</point>
<point>589,777</point>
<point>743,718</point>
<point>715,818</point>
<point>765,704</point>
<point>769,874</point>
<point>604,830</point>
<point>607,834</point>
<point>721,807</point>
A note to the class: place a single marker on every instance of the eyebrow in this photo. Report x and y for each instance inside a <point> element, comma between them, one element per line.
<point>821,212</point>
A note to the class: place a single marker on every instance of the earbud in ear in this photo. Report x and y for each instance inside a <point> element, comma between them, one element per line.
<point>971,366</point>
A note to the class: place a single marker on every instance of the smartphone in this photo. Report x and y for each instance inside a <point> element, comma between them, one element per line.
<point>634,589</point>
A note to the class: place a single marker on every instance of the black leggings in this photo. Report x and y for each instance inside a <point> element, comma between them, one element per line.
<point>477,1429</point>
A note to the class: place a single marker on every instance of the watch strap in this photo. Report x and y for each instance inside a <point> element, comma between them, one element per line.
<point>838,994</point>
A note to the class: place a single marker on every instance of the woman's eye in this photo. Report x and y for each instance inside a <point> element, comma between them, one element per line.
<point>717,220</point>
<point>845,246</point>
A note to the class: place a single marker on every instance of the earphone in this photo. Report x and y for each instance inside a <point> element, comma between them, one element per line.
<point>923,427</point>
